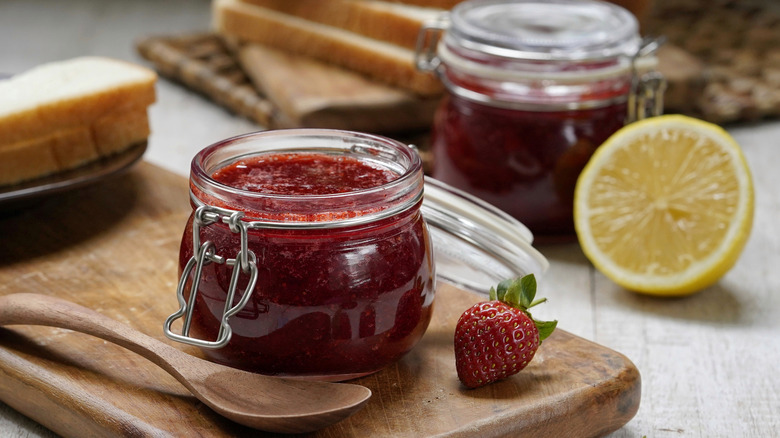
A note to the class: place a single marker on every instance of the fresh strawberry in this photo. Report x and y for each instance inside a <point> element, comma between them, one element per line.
<point>498,338</point>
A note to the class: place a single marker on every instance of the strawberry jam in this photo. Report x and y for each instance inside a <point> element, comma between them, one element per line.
<point>533,88</point>
<point>345,279</point>
<point>523,162</point>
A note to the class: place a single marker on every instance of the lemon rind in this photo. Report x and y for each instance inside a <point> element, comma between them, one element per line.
<point>706,271</point>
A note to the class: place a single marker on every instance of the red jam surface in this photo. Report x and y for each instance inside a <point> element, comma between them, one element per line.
<point>330,303</point>
<point>523,162</point>
<point>302,174</point>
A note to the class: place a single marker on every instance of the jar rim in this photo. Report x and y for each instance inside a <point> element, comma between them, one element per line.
<point>544,30</point>
<point>343,208</point>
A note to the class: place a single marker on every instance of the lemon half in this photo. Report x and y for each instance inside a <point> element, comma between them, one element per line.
<point>665,205</point>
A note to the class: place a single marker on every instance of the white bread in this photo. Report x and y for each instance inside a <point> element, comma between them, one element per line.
<point>70,148</point>
<point>34,158</point>
<point>439,4</point>
<point>395,23</point>
<point>65,114</point>
<point>117,131</point>
<point>380,60</point>
<point>66,94</point>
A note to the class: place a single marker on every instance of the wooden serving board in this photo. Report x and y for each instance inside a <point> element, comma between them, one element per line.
<point>113,247</point>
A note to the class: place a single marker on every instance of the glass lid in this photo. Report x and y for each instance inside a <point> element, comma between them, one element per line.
<point>476,245</point>
<point>544,29</point>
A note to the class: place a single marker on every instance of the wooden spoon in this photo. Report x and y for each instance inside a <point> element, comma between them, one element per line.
<point>272,404</point>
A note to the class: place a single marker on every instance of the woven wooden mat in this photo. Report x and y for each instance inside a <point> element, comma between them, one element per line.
<point>722,62</point>
<point>203,62</point>
<point>280,90</point>
<point>731,52</point>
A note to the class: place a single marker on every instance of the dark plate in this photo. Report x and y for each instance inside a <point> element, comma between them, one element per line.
<point>72,179</point>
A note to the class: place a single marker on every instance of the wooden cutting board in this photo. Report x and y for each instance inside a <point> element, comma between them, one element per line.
<point>113,247</point>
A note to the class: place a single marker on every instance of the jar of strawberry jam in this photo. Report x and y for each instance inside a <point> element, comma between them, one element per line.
<point>534,87</point>
<point>307,253</point>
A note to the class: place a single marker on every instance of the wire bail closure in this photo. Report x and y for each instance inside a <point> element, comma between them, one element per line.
<point>646,98</point>
<point>204,254</point>
<point>425,57</point>
<point>645,95</point>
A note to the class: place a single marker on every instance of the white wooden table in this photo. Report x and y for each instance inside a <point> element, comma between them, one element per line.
<point>709,362</point>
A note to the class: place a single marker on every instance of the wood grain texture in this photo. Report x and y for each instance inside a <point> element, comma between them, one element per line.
<point>707,361</point>
<point>313,94</point>
<point>113,247</point>
<point>254,400</point>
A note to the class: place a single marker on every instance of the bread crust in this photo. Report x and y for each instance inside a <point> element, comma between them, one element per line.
<point>393,23</point>
<point>379,60</point>
<point>72,147</point>
<point>65,114</point>
<point>29,113</point>
<point>116,132</point>
<point>441,4</point>
<point>30,159</point>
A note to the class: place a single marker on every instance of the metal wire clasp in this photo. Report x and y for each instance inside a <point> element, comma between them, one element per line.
<point>204,254</point>
<point>425,58</point>
<point>646,98</point>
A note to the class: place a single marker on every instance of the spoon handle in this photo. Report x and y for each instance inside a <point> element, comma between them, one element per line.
<point>38,309</point>
<point>262,402</point>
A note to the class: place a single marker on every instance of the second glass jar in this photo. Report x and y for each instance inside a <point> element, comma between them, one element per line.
<point>534,87</point>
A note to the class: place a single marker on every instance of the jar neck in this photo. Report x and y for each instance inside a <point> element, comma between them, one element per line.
<point>350,208</point>
<point>535,85</point>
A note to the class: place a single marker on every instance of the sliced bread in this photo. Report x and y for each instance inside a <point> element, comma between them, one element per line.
<point>70,148</point>
<point>36,158</point>
<point>380,60</point>
<point>395,23</point>
<point>440,4</point>
<point>62,115</point>
<point>67,94</point>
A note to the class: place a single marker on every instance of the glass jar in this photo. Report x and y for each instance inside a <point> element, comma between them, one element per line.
<point>341,281</point>
<point>534,87</point>
<point>332,283</point>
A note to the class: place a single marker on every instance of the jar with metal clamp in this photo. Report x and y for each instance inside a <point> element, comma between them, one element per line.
<point>533,88</point>
<point>307,253</point>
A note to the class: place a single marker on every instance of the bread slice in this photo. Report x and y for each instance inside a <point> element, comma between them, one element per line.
<point>72,147</point>
<point>440,4</point>
<point>117,131</point>
<point>380,60</point>
<point>394,23</point>
<point>66,94</point>
<point>34,158</point>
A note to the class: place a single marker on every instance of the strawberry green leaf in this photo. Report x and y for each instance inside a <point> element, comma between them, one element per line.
<point>545,328</point>
<point>528,286</point>
<point>502,288</point>
<point>514,295</point>
<point>493,294</point>
<point>518,293</point>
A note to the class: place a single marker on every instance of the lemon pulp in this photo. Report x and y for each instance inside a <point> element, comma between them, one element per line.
<point>665,205</point>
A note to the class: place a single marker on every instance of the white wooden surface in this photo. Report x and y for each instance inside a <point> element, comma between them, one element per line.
<point>709,362</point>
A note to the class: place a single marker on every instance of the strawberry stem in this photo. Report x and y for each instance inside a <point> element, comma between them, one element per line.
<point>520,293</point>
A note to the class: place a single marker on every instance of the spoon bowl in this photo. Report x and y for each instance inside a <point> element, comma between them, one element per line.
<point>273,404</point>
